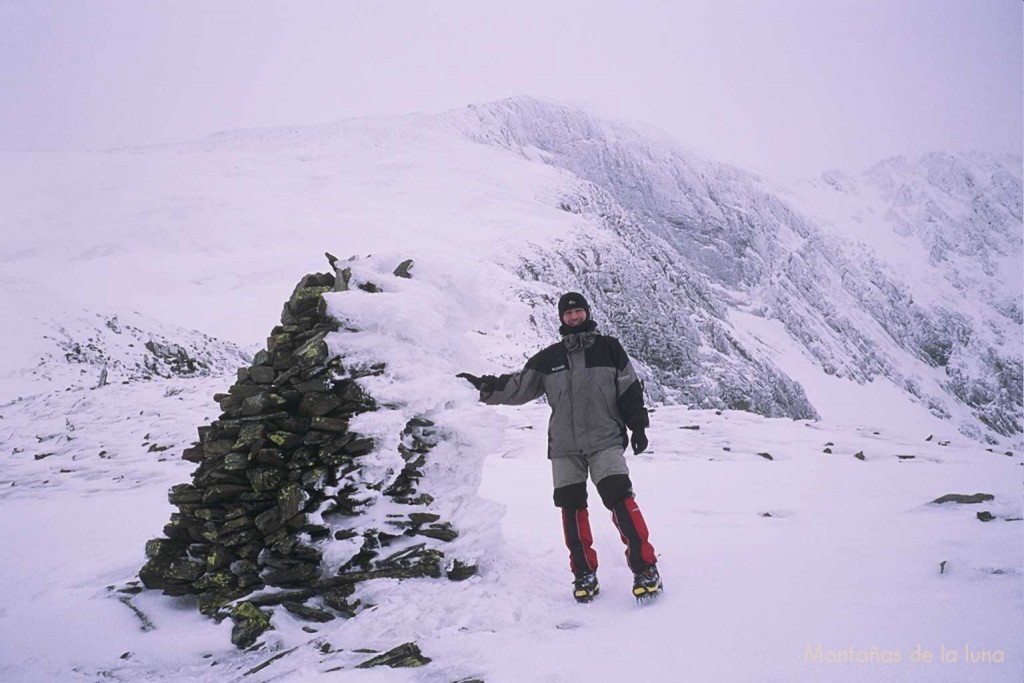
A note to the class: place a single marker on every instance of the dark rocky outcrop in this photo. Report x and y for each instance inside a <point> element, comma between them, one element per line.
<point>963,498</point>
<point>278,478</point>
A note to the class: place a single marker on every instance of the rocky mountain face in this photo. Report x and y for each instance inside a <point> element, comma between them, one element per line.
<point>681,241</point>
<point>953,292</point>
<point>671,321</point>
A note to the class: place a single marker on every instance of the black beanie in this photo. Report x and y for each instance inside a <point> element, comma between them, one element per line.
<point>570,301</point>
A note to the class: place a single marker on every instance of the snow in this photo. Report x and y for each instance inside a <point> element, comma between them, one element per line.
<point>876,404</point>
<point>762,559</point>
<point>745,593</point>
<point>225,223</point>
<point>848,558</point>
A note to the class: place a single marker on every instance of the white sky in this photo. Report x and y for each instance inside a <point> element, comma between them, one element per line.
<point>792,87</point>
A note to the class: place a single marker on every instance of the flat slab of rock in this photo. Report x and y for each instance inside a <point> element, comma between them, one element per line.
<point>307,612</point>
<point>405,655</point>
<point>964,499</point>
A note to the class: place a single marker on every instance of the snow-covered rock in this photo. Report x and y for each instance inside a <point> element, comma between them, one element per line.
<point>746,245</point>
<point>53,345</point>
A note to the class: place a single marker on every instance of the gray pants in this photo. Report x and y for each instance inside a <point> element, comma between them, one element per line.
<point>573,469</point>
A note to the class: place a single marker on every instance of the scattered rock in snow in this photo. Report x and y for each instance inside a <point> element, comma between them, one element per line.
<point>264,665</point>
<point>405,655</point>
<point>443,532</point>
<point>766,456</point>
<point>403,269</point>
<point>964,499</point>
<point>985,516</point>
<point>859,455</point>
<point>460,571</point>
<point>250,623</point>
<point>147,624</point>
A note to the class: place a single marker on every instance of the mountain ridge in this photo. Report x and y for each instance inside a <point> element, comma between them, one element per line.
<point>676,251</point>
<point>853,316</point>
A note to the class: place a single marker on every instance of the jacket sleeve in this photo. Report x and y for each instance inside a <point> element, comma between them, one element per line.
<point>629,390</point>
<point>514,388</point>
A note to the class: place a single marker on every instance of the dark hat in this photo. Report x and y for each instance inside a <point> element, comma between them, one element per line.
<point>572,300</point>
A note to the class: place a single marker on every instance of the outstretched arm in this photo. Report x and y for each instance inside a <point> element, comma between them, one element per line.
<point>511,389</point>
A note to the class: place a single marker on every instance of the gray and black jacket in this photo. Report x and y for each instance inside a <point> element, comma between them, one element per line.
<point>591,386</point>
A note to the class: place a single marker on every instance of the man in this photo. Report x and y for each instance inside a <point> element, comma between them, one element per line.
<point>595,395</point>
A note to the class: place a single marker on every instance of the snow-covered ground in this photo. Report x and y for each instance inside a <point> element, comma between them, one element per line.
<point>764,560</point>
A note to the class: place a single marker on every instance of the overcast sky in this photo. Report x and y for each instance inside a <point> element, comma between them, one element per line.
<point>791,87</point>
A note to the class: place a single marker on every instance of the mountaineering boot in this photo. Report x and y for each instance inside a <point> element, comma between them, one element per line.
<point>585,587</point>
<point>647,583</point>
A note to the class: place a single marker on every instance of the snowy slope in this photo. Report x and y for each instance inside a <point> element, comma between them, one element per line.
<point>211,236</point>
<point>761,558</point>
<point>943,231</point>
<point>57,345</point>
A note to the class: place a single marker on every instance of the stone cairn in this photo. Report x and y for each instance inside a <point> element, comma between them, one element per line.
<point>278,479</point>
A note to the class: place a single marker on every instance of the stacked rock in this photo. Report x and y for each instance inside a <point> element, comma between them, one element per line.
<point>279,461</point>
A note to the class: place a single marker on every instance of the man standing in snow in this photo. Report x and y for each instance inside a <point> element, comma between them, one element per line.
<point>595,395</point>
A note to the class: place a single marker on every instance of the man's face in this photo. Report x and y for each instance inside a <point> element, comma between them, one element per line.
<point>574,317</point>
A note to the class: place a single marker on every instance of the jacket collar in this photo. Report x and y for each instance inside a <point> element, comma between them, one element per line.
<point>587,326</point>
<point>580,340</point>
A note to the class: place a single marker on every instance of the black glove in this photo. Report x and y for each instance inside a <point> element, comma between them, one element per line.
<point>472,379</point>
<point>638,441</point>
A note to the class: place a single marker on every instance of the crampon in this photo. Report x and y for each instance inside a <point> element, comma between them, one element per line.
<point>647,584</point>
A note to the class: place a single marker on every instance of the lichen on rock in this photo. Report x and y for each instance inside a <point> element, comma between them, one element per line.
<point>281,476</point>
